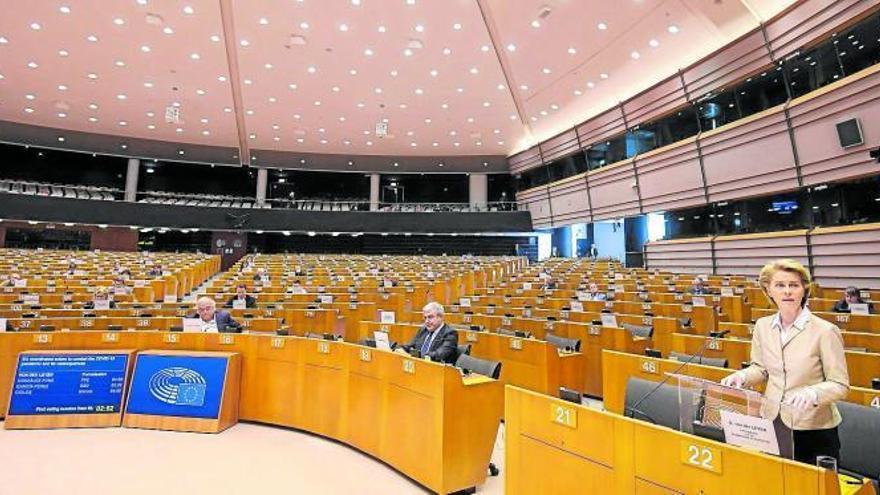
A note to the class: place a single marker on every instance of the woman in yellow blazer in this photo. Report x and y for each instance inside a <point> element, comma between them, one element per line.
<point>801,358</point>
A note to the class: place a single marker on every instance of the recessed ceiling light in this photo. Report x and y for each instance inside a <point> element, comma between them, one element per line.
<point>304,25</point>
<point>93,106</point>
<point>447,51</point>
<point>484,48</point>
<point>92,75</point>
<point>572,50</point>
<point>263,21</point>
<point>578,92</point>
<point>276,138</point>
<point>180,152</point>
<point>382,29</point>
<point>369,143</point>
<point>342,119</point>
<point>591,84</point>
<point>602,26</point>
<point>360,105</point>
<point>35,26</point>
<point>413,145</point>
<point>30,97</point>
<point>215,38</point>
<point>410,2</point>
<point>511,47</point>
<point>188,10</point>
<point>119,63</point>
<point>653,43</point>
<point>64,9</point>
<point>408,52</point>
<point>60,139</point>
<point>148,84</point>
<point>536,23</point>
<point>378,91</point>
<point>368,52</point>
<point>297,116</point>
<point>317,103</point>
<point>486,104</point>
<point>252,136</point>
<point>635,55</point>
<point>32,65</point>
<point>244,42</point>
<point>29,110</point>
<point>167,30</point>
<point>501,143</point>
<point>145,48</point>
<point>63,53</point>
<point>179,129</point>
<point>123,123</point>
<point>249,112</point>
<point>227,110</point>
<point>335,89</point>
<point>221,78</point>
<point>456,26</point>
<point>206,132</point>
<point>393,73</point>
<point>204,121</point>
<point>673,29</point>
<point>121,96</point>
<point>268,66</point>
<point>353,72</point>
<point>311,69</point>
<point>544,112</point>
<point>248,81</point>
<point>470,120</point>
<point>93,119</point>
<point>474,70</point>
<point>523,87</point>
<point>433,72</point>
<point>62,114</point>
<point>3,40</point>
<point>459,90</point>
<point>119,21</point>
<point>603,75</point>
<point>200,92</point>
<point>545,70</point>
<point>420,28</point>
<point>194,56</point>
<point>554,106</point>
<point>343,27</point>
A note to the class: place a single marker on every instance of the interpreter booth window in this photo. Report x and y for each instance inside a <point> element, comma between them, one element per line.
<point>718,108</point>
<point>690,222</point>
<point>197,179</point>
<point>46,238</point>
<point>858,202</point>
<point>43,166</point>
<point>670,128</point>
<point>424,188</point>
<point>567,166</point>
<point>302,185</point>
<point>825,204</point>
<point>607,152</point>
<point>174,241</point>
<point>786,211</point>
<point>761,91</point>
<point>533,177</point>
<point>814,68</point>
<point>730,218</point>
<point>859,46</point>
<point>501,188</point>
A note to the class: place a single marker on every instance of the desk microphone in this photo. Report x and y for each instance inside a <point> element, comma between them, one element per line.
<point>635,407</point>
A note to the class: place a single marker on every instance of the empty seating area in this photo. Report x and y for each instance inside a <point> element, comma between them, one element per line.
<point>202,200</point>
<point>59,190</point>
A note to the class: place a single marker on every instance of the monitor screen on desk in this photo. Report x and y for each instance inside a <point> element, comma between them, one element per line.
<point>68,383</point>
<point>177,385</point>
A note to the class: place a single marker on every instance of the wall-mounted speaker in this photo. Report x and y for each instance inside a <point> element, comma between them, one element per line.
<point>849,132</point>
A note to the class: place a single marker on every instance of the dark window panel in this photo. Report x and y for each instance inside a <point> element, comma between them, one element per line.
<point>859,46</point>
<point>188,178</point>
<point>61,167</point>
<point>424,188</point>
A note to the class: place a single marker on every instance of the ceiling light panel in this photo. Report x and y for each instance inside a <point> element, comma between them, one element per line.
<point>90,53</point>
<point>401,63</point>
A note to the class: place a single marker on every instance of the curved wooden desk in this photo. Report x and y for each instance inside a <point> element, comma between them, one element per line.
<point>422,418</point>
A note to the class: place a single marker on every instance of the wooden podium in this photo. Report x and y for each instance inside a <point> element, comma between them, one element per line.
<point>175,390</point>
<point>68,389</point>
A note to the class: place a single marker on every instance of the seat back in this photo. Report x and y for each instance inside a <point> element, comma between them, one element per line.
<point>464,349</point>
<point>708,361</point>
<point>660,408</point>
<point>644,331</point>
<point>484,367</point>
<point>859,445</point>
<point>563,342</point>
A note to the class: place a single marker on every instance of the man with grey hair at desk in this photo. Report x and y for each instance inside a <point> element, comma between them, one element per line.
<point>435,339</point>
<point>213,320</point>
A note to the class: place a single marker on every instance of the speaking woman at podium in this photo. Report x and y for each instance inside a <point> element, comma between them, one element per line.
<point>800,357</point>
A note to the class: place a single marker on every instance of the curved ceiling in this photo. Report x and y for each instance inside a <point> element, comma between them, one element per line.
<point>450,77</point>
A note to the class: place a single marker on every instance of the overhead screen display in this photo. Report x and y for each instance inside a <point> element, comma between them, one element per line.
<point>177,385</point>
<point>69,383</point>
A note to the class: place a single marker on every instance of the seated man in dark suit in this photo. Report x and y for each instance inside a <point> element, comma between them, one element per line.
<point>213,320</point>
<point>850,296</point>
<point>435,339</point>
<point>698,289</point>
<point>242,295</point>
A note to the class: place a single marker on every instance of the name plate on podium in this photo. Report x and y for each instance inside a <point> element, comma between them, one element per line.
<point>68,389</point>
<point>184,391</point>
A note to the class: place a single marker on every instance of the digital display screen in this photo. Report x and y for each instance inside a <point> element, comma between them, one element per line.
<point>784,207</point>
<point>68,384</point>
<point>177,385</point>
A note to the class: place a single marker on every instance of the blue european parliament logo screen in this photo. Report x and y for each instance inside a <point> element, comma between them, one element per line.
<point>184,386</point>
<point>70,383</point>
